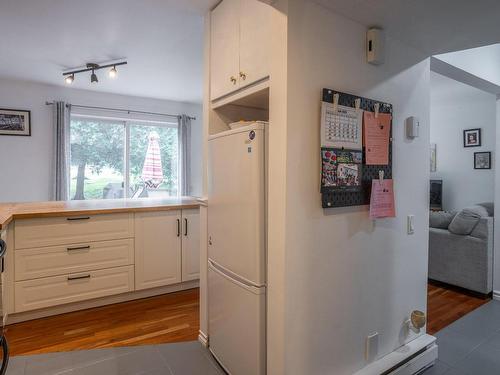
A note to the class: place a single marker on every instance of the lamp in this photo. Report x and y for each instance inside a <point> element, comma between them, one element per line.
<point>112,72</point>
<point>93,77</point>
<point>69,79</point>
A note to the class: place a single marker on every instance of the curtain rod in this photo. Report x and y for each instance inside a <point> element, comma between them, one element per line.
<point>123,110</point>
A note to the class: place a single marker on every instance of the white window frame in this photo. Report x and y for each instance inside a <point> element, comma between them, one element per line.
<point>127,123</point>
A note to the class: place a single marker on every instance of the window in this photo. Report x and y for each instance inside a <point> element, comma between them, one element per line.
<point>118,158</point>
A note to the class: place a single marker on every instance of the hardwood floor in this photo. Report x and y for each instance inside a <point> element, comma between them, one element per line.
<point>171,318</point>
<point>167,318</point>
<point>447,304</point>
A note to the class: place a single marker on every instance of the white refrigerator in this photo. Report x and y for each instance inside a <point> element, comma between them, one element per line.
<point>237,249</point>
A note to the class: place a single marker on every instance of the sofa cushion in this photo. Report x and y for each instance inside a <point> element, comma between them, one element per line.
<point>490,207</point>
<point>440,219</point>
<point>465,221</point>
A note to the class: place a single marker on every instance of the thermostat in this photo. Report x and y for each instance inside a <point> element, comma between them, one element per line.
<point>412,125</point>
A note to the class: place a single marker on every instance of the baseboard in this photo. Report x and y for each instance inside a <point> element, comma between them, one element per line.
<point>203,338</point>
<point>409,359</point>
<point>103,301</point>
<point>496,295</point>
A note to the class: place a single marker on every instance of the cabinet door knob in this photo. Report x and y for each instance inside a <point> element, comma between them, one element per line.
<point>243,76</point>
<point>233,80</point>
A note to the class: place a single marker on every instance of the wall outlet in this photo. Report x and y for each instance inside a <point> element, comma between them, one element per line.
<point>410,225</point>
<point>371,348</point>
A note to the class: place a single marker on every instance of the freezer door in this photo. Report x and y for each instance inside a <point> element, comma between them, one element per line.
<point>236,203</point>
<point>236,324</point>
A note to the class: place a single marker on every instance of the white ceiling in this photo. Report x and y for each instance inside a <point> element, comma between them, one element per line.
<point>429,25</point>
<point>161,39</point>
<point>483,62</point>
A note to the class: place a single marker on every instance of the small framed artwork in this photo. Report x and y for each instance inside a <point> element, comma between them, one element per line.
<point>15,122</point>
<point>482,160</point>
<point>433,158</point>
<point>472,137</point>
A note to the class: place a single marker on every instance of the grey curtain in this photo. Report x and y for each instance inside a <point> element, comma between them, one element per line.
<point>61,142</point>
<point>184,134</point>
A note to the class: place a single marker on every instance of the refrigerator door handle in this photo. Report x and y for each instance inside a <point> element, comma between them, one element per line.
<point>235,279</point>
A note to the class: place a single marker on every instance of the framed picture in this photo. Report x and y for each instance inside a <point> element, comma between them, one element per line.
<point>433,157</point>
<point>472,137</point>
<point>15,122</point>
<point>482,160</point>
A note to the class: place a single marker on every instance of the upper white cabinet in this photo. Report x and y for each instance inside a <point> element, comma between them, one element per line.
<point>224,48</point>
<point>157,248</point>
<point>191,244</point>
<point>255,36</point>
<point>240,45</point>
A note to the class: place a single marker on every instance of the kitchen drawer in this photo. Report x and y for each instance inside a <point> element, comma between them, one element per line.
<point>40,232</point>
<point>58,290</point>
<point>64,259</point>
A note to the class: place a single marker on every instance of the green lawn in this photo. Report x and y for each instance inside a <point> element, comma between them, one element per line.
<point>95,183</point>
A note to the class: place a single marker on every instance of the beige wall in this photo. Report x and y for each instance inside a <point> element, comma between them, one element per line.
<point>341,275</point>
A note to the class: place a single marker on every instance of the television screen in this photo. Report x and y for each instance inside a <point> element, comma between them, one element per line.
<point>436,196</point>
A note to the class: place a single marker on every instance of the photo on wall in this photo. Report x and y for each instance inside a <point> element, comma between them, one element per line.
<point>433,157</point>
<point>15,122</point>
<point>341,169</point>
<point>472,137</point>
<point>482,160</point>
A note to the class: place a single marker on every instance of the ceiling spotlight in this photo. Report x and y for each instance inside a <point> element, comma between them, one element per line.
<point>69,79</point>
<point>112,72</point>
<point>93,77</point>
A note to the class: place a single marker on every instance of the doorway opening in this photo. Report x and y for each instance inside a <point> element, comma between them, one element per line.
<point>463,112</point>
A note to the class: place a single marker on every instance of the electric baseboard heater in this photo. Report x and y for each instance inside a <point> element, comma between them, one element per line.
<point>412,358</point>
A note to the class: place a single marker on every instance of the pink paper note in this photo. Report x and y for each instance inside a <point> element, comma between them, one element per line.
<point>382,199</point>
<point>376,133</point>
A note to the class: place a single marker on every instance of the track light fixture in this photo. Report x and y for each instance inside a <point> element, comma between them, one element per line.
<point>69,76</point>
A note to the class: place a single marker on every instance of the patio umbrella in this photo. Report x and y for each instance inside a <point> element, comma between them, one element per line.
<point>152,172</point>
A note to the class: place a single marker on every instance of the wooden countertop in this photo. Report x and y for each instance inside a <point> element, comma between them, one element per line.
<point>12,211</point>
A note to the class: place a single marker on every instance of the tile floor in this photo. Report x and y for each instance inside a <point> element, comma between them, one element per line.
<point>471,345</point>
<point>186,358</point>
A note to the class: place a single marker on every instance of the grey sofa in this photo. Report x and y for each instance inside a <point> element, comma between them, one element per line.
<point>461,248</point>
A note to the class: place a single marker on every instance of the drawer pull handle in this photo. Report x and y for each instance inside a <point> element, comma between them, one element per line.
<point>178,228</point>
<point>78,277</point>
<point>78,218</point>
<point>186,227</point>
<point>78,248</point>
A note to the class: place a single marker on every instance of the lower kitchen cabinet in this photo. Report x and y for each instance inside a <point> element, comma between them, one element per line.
<point>157,249</point>
<point>58,290</point>
<point>190,244</point>
<point>101,255</point>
